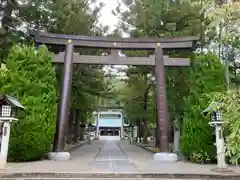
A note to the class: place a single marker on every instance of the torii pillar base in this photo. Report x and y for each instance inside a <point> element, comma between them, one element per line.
<point>165,157</point>
<point>59,156</point>
<point>3,164</point>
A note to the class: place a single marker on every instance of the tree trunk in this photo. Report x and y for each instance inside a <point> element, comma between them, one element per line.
<point>145,133</point>
<point>139,131</point>
<point>76,126</point>
<point>65,129</point>
<point>82,130</point>
<point>145,108</point>
<point>82,127</point>
<point>70,127</point>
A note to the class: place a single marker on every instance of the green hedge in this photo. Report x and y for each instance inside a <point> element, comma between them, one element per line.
<point>30,77</point>
<point>206,76</point>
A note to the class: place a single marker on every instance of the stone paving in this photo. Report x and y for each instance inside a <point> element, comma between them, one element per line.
<point>113,157</point>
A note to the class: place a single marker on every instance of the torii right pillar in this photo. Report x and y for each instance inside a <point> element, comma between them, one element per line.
<point>162,109</point>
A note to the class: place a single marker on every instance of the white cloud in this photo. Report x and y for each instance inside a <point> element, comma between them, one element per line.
<point>106,17</point>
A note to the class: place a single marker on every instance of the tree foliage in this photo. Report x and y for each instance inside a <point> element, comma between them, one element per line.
<point>206,76</point>
<point>77,18</point>
<point>229,107</point>
<point>157,19</point>
<point>18,18</point>
<point>216,24</point>
<point>161,18</point>
<point>18,21</point>
<point>31,78</point>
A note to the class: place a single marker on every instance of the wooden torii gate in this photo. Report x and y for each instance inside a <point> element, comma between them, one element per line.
<point>114,44</point>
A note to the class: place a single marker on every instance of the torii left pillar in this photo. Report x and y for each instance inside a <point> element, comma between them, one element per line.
<point>58,153</point>
<point>162,109</point>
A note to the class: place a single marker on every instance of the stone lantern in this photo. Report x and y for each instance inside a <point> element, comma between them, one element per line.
<point>8,110</point>
<point>216,121</point>
<point>130,133</point>
<point>90,128</point>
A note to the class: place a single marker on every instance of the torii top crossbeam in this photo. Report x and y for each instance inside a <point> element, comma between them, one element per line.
<point>188,43</point>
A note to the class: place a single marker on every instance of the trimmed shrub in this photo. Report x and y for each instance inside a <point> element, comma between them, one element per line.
<point>197,141</point>
<point>30,77</point>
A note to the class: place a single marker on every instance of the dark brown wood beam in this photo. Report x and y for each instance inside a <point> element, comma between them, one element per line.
<point>117,43</point>
<point>117,60</point>
<point>162,105</point>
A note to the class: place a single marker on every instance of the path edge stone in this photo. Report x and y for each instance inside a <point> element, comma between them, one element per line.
<point>120,175</point>
<point>146,149</point>
<point>75,147</point>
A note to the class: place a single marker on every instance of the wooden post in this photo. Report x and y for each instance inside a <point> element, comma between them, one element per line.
<point>76,126</point>
<point>62,118</point>
<point>162,109</point>
<point>157,134</point>
<point>70,126</point>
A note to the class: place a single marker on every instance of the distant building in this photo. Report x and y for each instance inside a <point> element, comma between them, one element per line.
<point>109,125</point>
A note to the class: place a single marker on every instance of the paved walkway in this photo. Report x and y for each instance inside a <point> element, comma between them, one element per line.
<point>112,157</point>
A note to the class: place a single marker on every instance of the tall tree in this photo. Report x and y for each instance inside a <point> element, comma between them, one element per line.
<point>77,18</point>
<point>18,19</point>
<point>30,77</point>
<point>206,76</point>
<point>164,18</point>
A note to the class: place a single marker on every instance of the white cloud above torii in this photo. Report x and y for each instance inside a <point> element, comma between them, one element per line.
<point>106,17</point>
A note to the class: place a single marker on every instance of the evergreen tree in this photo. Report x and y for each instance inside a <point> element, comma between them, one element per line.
<point>206,76</point>
<point>30,77</point>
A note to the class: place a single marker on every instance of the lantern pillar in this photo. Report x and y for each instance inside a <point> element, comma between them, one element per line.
<point>8,108</point>
<point>89,140</point>
<point>130,133</point>
<point>122,128</point>
<point>221,163</point>
<point>97,126</point>
<point>218,124</point>
<point>5,139</point>
<point>4,143</point>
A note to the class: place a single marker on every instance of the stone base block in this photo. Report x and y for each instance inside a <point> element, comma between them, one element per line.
<point>59,156</point>
<point>2,164</point>
<point>165,157</point>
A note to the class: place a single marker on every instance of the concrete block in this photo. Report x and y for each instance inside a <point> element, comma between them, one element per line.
<point>59,156</point>
<point>165,157</point>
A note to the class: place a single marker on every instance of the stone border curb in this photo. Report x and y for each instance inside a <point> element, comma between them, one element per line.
<point>76,146</point>
<point>120,175</point>
<point>143,147</point>
<point>205,176</point>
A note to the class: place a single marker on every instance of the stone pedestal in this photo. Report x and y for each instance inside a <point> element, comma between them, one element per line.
<point>2,164</point>
<point>59,156</point>
<point>4,143</point>
<point>165,157</point>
